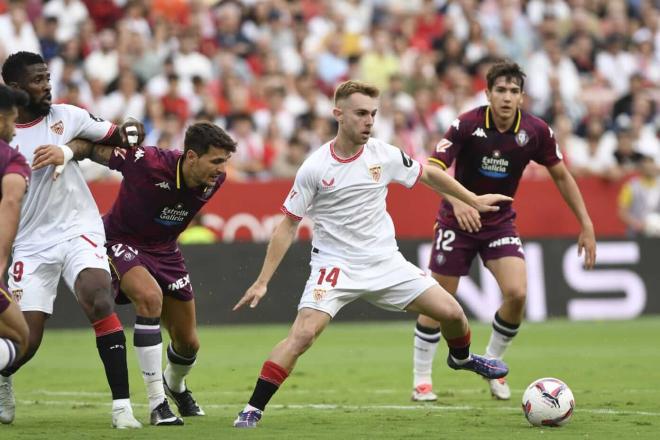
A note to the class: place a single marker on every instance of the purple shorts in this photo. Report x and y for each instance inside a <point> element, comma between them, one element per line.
<point>167,267</point>
<point>454,249</point>
<point>5,297</point>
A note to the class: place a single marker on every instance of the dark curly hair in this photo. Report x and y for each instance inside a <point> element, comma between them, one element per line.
<point>200,136</point>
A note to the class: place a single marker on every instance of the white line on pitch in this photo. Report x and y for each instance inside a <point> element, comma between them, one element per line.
<point>331,407</point>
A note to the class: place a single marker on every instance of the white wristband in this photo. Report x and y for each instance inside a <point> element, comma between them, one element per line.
<point>68,155</point>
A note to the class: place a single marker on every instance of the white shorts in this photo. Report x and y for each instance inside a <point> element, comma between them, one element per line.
<point>390,284</point>
<point>33,279</point>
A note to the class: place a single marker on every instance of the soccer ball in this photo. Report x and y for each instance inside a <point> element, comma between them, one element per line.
<point>548,402</point>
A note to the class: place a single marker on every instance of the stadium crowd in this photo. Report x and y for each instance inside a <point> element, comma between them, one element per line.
<point>265,70</point>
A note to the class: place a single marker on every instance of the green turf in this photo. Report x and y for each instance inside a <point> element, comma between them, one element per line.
<point>356,382</point>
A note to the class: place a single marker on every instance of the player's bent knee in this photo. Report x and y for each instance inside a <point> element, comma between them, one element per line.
<point>98,305</point>
<point>517,295</point>
<point>148,303</point>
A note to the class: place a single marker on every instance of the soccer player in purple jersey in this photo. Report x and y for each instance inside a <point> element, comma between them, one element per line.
<point>491,146</point>
<point>14,178</point>
<point>161,192</point>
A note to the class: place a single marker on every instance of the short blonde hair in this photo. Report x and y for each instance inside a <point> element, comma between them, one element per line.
<point>347,88</point>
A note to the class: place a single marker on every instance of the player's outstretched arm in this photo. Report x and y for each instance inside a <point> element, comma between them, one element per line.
<point>130,134</point>
<point>444,184</point>
<point>13,189</point>
<point>279,243</point>
<point>571,194</point>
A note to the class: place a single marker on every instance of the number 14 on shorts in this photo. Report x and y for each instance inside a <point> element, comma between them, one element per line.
<point>329,276</point>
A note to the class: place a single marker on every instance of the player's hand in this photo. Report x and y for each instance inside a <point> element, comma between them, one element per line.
<point>252,296</point>
<point>468,217</point>
<point>587,243</point>
<point>46,155</point>
<point>487,202</point>
<point>132,132</point>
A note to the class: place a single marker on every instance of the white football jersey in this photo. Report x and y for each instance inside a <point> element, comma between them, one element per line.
<point>55,211</point>
<point>346,199</point>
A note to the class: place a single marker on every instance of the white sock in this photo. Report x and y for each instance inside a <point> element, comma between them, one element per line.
<point>122,403</point>
<point>461,361</point>
<point>249,407</point>
<point>150,359</point>
<point>177,369</point>
<point>8,353</point>
<point>501,337</point>
<point>425,346</point>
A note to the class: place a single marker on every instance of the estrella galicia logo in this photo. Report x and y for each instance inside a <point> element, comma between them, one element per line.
<point>173,216</point>
<point>407,161</point>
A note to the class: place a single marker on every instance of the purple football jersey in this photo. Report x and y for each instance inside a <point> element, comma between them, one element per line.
<point>154,205</point>
<point>12,162</point>
<point>488,161</point>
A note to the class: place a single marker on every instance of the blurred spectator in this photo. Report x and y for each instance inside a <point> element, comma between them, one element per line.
<point>70,14</point>
<point>379,63</point>
<point>249,159</point>
<point>16,30</point>
<point>287,162</point>
<point>172,101</point>
<point>126,101</point>
<point>639,200</point>
<point>46,31</point>
<point>103,63</point>
<point>553,76</point>
<point>616,64</point>
<point>590,156</point>
<point>275,112</point>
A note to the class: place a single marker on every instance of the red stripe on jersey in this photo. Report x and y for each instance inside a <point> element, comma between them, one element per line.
<point>290,214</point>
<point>341,160</point>
<point>107,325</point>
<point>273,373</point>
<point>110,132</point>
<point>461,341</point>
<point>88,241</point>
<point>30,124</point>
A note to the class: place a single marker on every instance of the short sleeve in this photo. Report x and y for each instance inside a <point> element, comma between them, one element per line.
<point>548,153</point>
<point>301,195</point>
<point>402,168</point>
<point>90,127</point>
<point>18,165</point>
<point>449,146</point>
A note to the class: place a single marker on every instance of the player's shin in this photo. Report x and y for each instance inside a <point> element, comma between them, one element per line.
<point>111,344</point>
<point>148,344</point>
<point>270,379</point>
<point>501,337</point>
<point>425,345</point>
<point>177,369</point>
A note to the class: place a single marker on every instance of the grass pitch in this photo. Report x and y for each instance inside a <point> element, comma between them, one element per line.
<point>355,383</point>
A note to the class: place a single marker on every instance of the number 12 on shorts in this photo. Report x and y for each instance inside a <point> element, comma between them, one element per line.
<point>331,277</point>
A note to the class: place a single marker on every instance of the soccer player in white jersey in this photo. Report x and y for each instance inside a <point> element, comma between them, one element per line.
<point>61,233</point>
<point>342,187</point>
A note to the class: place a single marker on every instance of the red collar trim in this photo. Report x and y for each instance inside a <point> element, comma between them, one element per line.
<point>30,124</point>
<point>342,160</point>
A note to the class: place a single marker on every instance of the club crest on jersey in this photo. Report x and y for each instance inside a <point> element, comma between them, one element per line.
<point>318,293</point>
<point>17,294</point>
<point>58,128</point>
<point>375,172</point>
<point>522,138</point>
<point>327,184</point>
